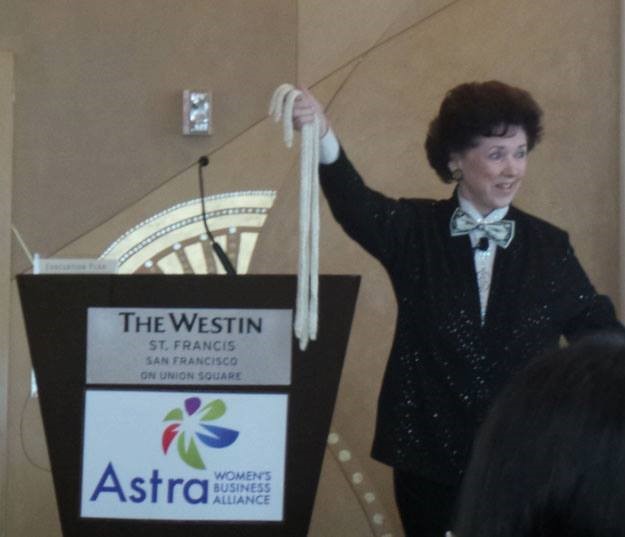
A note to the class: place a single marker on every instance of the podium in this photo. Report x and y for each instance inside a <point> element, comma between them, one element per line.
<point>181,405</point>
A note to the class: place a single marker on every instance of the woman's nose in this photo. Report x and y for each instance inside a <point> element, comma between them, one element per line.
<point>510,167</point>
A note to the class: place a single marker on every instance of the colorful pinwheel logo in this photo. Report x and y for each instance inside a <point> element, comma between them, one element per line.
<point>190,425</point>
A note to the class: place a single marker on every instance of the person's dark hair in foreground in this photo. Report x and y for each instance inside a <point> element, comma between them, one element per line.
<point>550,458</point>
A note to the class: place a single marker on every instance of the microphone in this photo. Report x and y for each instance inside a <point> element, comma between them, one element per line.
<point>482,244</point>
<point>221,255</point>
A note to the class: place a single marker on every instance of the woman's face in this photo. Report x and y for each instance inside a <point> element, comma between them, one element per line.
<point>492,170</point>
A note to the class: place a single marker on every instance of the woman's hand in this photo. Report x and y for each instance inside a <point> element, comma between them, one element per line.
<point>304,110</point>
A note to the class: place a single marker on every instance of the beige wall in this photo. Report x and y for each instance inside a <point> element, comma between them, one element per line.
<point>98,87</point>
<point>6,152</point>
<point>97,150</point>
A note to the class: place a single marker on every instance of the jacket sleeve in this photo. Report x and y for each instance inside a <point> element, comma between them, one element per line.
<point>586,311</point>
<point>378,223</point>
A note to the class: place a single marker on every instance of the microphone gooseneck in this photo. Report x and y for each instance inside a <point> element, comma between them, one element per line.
<point>223,258</point>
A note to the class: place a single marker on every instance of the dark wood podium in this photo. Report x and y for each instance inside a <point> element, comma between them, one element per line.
<point>59,312</point>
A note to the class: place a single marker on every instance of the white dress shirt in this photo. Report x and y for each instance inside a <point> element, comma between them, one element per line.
<point>484,259</point>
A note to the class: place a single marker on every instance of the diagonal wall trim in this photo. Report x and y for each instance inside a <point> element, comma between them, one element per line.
<point>22,244</point>
<point>383,40</point>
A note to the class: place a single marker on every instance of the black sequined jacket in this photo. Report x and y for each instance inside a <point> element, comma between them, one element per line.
<point>445,367</point>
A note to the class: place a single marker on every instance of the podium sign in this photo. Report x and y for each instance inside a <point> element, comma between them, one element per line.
<point>189,346</point>
<point>180,405</point>
<point>138,466</point>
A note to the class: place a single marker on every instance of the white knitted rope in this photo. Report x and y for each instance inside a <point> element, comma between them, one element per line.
<point>306,310</point>
<point>313,314</point>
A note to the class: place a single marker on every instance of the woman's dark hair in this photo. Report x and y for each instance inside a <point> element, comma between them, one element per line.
<point>479,109</point>
<point>550,458</point>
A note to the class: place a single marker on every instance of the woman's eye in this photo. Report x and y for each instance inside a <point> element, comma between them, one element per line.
<point>495,156</point>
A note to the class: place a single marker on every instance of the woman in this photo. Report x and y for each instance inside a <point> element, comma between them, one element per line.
<point>481,287</point>
<point>550,458</point>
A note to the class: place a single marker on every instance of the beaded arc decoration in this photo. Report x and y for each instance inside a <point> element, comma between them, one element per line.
<point>361,486</point>
<point>173,241</point>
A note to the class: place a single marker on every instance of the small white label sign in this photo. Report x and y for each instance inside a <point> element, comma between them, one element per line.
<point>78,265</point>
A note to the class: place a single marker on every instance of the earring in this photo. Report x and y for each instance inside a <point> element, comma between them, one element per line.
<point>456,174</point>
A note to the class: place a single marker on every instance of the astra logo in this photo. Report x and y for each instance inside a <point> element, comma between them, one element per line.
<point>190,425</point>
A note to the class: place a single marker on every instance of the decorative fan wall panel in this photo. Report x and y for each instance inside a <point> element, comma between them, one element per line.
<point>174,241</point>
